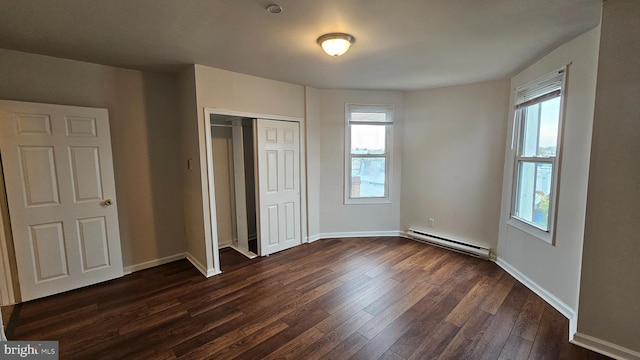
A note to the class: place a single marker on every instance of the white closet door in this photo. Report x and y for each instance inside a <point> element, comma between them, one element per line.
<point>60,186</point>
<point>278,185</point>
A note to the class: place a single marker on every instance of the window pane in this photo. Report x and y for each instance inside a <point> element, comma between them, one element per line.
<point>540,128</point>
<point>369,116</point>
<point>533,193</point>
<point>368,139</point>
<point>367,177</point>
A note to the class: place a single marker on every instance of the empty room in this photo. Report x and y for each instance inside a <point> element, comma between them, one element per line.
<point>216,179</point>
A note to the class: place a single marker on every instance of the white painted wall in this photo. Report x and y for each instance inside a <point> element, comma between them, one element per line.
<point>193,212</point>
<point>610,287</point>
<point>223,89</point>
<point>142,113</point>
<point>555,270</point>
<point>312,119</point>
<point>337,219</point>
<point>453,157</point>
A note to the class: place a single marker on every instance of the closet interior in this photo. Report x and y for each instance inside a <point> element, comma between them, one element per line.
<point>234,168</point>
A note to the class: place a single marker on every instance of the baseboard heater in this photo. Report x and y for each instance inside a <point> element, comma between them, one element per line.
<point>459,246</point>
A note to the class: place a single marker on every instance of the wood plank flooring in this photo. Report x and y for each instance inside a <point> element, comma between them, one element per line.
<point>363,298</point>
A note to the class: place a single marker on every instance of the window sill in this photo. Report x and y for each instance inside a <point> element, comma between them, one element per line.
<point>366,201</point>
<point>531,230</point>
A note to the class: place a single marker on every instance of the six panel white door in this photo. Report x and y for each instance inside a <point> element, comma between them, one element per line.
<point>60,187</point>
<point>278,185</point>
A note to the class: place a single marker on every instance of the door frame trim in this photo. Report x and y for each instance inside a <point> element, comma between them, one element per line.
<point>208,197</point>
<point>9,279</point>
<point>7,295</point>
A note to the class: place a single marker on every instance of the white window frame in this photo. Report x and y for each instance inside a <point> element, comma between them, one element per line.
<point>388,109</point>
<point>535,92</point>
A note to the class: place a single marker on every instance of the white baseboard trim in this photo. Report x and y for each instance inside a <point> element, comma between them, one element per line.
<point>551,299</point>
<point>358,234</point>
<point>203,269</point>
<point>247,253</point>
<point>152,263</point>
<point>167,259</point>
<point>226,243</point>
<point>604,347</point>
<point>313,238</point>
<point>573,327</point>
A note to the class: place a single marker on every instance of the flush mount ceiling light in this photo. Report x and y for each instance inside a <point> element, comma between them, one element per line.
<point>336,44</point>
<point>274,9</point>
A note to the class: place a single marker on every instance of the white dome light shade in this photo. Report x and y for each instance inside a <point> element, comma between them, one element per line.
<point>336,44</point>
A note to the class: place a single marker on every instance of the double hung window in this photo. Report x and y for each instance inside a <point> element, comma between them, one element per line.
<point>538,119</point>
<point>367,153</point>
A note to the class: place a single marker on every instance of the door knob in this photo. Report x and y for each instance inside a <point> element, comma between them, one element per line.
<point>107,202</point>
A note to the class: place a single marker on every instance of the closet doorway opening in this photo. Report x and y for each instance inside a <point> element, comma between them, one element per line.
<point>256,194</point>
<point>233,154</point>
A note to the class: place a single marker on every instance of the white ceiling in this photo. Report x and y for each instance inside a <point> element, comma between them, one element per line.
<point>400,44</point>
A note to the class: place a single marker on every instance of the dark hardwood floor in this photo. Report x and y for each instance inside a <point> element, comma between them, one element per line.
<point>366,298</point>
